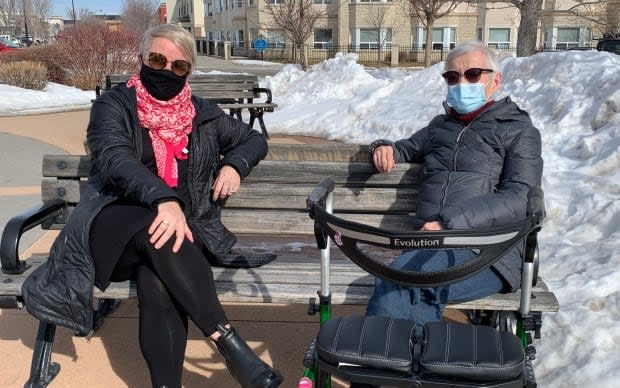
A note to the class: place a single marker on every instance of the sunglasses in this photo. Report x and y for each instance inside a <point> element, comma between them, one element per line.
<point>471,75</point>
<point>179,67</point>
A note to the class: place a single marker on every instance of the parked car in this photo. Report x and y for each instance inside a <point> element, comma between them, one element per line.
<point>4,48</point>
<point>9,42</point>
<point>26,41</point>
<point>609,43</point>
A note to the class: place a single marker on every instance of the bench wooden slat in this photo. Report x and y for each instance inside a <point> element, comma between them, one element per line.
<point>343,173</point>
<point>299,223</point>
<point>275,196</point>
<point>197,77</point>
<point>272,283</point>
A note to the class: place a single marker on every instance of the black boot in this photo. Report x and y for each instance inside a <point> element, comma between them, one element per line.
<point>245,366</point>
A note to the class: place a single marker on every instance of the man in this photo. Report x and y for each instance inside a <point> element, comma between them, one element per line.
<point>480,159</point>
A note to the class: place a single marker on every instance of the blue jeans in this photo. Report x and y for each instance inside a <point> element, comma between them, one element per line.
<point>427,304</point>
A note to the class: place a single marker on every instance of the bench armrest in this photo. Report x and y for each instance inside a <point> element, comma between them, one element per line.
<point>16,227</point>
<point>265,91</point>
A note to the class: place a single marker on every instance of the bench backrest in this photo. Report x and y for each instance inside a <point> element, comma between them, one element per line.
<point>272,199</point>
<point>216,87</point>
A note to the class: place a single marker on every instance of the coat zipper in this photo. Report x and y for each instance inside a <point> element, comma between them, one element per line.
<point>456,153</point>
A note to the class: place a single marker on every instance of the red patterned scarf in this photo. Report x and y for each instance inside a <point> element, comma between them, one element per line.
<point>169,124</point>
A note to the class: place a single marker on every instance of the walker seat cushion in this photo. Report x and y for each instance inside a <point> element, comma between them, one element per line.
<point>376,342</point>
<point>469,351</point>
<point>449,350</point>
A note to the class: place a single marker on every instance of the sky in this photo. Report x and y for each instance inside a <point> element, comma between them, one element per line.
<point>99,7</point>
<point>573,98</point>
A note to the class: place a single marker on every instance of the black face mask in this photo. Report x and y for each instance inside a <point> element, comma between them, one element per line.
<point>161,84</point>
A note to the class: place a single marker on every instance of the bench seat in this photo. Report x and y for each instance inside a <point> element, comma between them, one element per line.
<point>293,279</point>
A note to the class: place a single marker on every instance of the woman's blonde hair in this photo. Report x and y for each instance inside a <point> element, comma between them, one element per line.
<point>177,35</point>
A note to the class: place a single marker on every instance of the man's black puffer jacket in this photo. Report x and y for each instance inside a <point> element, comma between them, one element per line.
<point>478,175</point>
<point>61,290</point>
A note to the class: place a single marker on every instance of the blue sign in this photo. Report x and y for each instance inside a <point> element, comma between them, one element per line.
<point>260,44</point>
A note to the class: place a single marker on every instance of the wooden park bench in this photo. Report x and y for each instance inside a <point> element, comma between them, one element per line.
<point>232,91</point>
<point>267,214</point>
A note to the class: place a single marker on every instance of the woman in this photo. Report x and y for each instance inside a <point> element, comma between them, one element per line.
<point>161,161</point>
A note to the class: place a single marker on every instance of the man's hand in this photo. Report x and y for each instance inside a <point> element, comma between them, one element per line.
<point>170,220</point>
<point>432,225</point>
<point>383,158</point>
<point>227,183</point>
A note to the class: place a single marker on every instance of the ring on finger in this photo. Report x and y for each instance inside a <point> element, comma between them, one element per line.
<point>166,222</point>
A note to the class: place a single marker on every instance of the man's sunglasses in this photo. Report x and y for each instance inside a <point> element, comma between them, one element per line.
<point>179,67</point>
<point>471,75</point>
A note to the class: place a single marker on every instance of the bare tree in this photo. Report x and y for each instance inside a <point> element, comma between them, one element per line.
<point>297,19</point>
<point>39,10</point>
<point>378,19</point>
<point>613,16</point>
<point>602,15</point>
<point>139,15</point>
<point>8,13</point>
<point>531,12</point>
<point>428,11</point>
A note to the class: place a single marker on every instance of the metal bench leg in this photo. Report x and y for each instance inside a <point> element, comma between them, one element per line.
<point>257,113</point>
<point>42,370</point>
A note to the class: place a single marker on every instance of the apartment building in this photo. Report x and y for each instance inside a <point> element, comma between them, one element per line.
<point>381,24</point>
<point>189,14</point>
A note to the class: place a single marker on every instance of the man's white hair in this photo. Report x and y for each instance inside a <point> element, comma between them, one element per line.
<point>472,46</point>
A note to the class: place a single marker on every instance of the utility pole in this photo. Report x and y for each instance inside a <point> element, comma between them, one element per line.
<point>26,25</point>
<point>73,11</point>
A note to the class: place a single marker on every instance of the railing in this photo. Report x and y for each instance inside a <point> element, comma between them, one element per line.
<point>374,56</point>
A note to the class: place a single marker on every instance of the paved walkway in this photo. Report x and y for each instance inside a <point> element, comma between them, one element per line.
<point>278,333</point>
<point>237,65</point>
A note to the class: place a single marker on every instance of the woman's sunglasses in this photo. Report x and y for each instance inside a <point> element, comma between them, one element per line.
<point>471,75</point>
<point>179,67</point>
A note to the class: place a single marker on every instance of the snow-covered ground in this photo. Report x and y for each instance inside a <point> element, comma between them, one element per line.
<point>573,98</point>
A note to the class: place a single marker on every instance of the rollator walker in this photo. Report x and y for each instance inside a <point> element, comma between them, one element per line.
<point>497,351</point>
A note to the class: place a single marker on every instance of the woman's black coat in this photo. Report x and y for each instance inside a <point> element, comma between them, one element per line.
<point>476,175</point>
<point>61,290</point>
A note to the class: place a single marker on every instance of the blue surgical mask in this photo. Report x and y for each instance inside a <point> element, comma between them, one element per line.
<point>466,97</point>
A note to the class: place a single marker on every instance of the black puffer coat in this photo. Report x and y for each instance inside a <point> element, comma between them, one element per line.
<point>61,290</point>
<point>478,175</point>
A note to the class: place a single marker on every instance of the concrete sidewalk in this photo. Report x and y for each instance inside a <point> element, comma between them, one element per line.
<point>280,334</point>
<point>237,65</point>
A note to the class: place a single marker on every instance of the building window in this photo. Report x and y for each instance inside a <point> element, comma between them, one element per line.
<point>499,38</point>
<point>217,6</point>
<point>275,1</point>
<point>567,38</point>
<point>276,39</point>
<point>239,3</point>
<point>323,39</point>
<point>322,1</point>
<point>372,1</point>
<point>371,38</point>
<point>238,40</point>
<point>564,38</point>
<point>444,38</point>
<point>250,3</point>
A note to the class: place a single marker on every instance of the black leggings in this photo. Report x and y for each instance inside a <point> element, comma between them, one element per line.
<point>171,287</point>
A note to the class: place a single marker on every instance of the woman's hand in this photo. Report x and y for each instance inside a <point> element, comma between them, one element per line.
<point>227,183</point>
<point>383,158</point>
<point>170,220</point>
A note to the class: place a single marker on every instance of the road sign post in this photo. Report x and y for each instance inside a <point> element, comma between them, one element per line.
<point>260,45</point>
